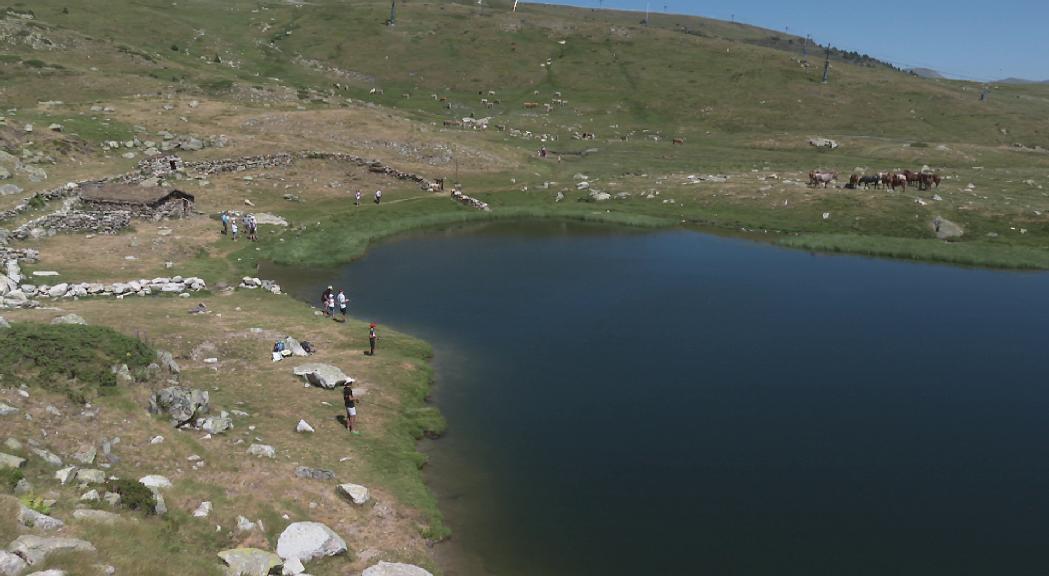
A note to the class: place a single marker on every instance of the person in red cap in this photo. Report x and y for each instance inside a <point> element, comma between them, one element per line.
<point>372,337</point>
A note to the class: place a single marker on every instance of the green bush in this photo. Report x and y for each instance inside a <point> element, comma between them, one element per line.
<point>70,358</point>
<point>133,495</point>
<point>9,477</point>
<point>36,504</point>
<point>919,145</point>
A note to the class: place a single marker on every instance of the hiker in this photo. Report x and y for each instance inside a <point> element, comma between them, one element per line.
<point>378,196</point>
<point>252,226</point>
<point>372,337</point>
<point>225,222</point>
<point>351,407</point>
<point>357,199</point>
<point>324,300</point>
<point>233,228</point>
<point>342,300</point>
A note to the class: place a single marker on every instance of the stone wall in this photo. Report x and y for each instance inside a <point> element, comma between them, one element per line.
<point>74,222</point>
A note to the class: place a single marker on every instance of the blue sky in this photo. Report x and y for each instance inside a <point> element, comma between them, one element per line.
<point>971,39</point>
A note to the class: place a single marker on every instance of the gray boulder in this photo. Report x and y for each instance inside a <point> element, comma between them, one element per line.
<point>322,375</point>
<point>47,456</point>
<point>262,450</point>
<point>823,143</point>
<point>307,541</point>
<point>354,493</point>
<point>155,482</point>
<point>7,409</point>
<point>32,519</point>
<point>11,461</point>
<point>35,549</point>
<point>11,565</point>
<point>167,361</point>
<point>314,473</point>
<point>294,347</point>
<point>68,318</point>
<point>90,476</point>
<point>9,189</point>
<point>85,454</point>
<point>945,229</point>
<point>181,403</point>
<point>394,569</point>
<point>216,424</point>
<point>249,562</point>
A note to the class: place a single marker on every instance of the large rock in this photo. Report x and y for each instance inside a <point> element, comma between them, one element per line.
<point>33,519</point>
<point>294,347</point>
<point>945,229</point>
<point>47,456</point>
<point>314,473</point>
<point>307,541</point>
<point>249,561</point>
<point>262,450</point>
<point>35,549</point>
<point>167,361</point>
<point>181,403</point>
<point>68,318</point>
<point>216,424</point>
<point>7,409</point>
<point>154,482</point>
<point>394,569</point>
<point>323,375</point>
<point>354,493</point>
<point>11,565</point>
<point>823,143</point>
<point>90,476</point>
<point>11,461</point>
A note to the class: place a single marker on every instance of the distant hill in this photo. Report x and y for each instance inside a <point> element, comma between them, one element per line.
<point>926,73</point>
<point>1022,81</point>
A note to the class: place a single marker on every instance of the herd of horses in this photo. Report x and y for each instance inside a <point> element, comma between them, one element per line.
<point>900,179</point>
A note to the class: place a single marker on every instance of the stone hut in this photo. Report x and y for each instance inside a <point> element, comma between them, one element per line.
<point>149,203</point>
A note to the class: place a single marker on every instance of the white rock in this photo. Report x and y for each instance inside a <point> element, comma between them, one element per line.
<point>307,541</point>
<point>262,450</point>
<point>304,426</point>
<point>155,482</point>
<point>394,569</point>
<point>292,567</point>
<point>354,492</point>
<point>33,519</point>
<point>249,562</point>
<point>10,564</point>
<point>203,510</point>
<point>66,475</point>
<point>34,549</point>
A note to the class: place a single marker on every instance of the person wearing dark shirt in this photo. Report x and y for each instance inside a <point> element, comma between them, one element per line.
<point>351,408</point>
<point>372,337</point>
<point>324,299</point>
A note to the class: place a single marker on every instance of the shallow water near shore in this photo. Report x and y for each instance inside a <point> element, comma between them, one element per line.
<point>624,403</point>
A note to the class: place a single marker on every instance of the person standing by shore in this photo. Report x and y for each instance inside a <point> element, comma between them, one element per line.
<point>357,198</point>
<point>324,300</point>
<point>331,305</point>
<point>351,408</point>
<point>372,337</point>
<point>342,301</point>
<point>225,222</point>
<point>233,228</point>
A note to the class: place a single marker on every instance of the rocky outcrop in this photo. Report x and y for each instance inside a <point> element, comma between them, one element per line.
<point>305,541</point>
<point>253,283</point>
<point>262,451</point>
<point>945,229</point>
<point>182,404</point>
<point>323,375</point>
<point>35,549</point>
<point>465,200</point>
<point>820,142</point>
<point>354,493</point>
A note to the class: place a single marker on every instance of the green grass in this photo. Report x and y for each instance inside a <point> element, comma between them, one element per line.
<point>68,358</point>
<point>967,254</point>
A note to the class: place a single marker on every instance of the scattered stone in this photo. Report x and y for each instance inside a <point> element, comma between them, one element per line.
<point>91,476</point>
<point>262,450</point>
<point>12,444</point>
<point>314,473</point>
<point>66,475</point>
<point>304,426</point>
<point>35,549</point>
<point>85,454</point>
<point>156,440</point>
<point>354,492</point>
<point>47,456</point>
<point>202,511</point>
<point>394,569</point>
<point>11,461</point>
<point>245,525</point>
<point>216,424</point>
<point>68,318</point>
<point>819,142</point>
<point>249,561</point>
<point>292,567</point>
<point>11,564</point>
<point>166,360</point>
<point>7,409</point>
<point>293,346</point>
<point>111,498</point>
<point>322,375</point>
<point>90,496</point>
<point>307,541</point>
<point>945,229</point>
<point>154,482</point>
<point>52,410</point>
<point>181,403</point>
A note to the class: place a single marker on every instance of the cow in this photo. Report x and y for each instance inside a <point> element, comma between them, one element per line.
<point>546,107</point>
<point>530,105</point>
<point>377,91</point>
<point>678,141</point>
<point>453,123</point>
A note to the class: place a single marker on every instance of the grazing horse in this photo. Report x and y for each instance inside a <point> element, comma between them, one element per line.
<point>913,178</point>
<point>886,179</point>
<point>928,181</point>
<point>867,181</point>
<point>854,181</point>
<point>816,178</point>
<point>899,179</point>
<point>678,141</point>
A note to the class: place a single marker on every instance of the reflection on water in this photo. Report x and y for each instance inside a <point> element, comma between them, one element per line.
<point>672,402</point>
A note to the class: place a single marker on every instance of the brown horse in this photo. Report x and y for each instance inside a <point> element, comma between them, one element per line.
<point>899,179</point>
<point>816,178</point>
<point>854,181</point>
<point>929,181</point>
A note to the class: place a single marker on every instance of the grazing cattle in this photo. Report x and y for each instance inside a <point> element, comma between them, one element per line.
<point>868,180</point>
<point>406,95</point>
<point>557,94</point>
<point>886,179</point>
<point>530,105</point>
<point>678,141</point>
<point>443,98</point>
<point>453,123</point>
<point>434,97</point>
<point>489,104</point>
<point>484,101</point>
<point>375,91</point>
<point>816,178</point>
<point>546,107</point>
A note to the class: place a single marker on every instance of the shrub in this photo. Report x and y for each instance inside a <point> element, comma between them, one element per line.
<point>919,145</point>
<point>174,47</point>
<point>9,478</point>
<point>133,495</point>
<point>70,358</point>
<point>36,504</point>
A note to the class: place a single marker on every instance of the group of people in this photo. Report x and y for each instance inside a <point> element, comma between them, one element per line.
<point>357,197</point>
<point>232,229</point>
<point>330,299</point>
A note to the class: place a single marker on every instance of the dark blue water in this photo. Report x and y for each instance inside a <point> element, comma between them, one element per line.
<point>678,403</point>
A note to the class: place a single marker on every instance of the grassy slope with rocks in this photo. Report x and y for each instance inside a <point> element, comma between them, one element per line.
<point>283,76</point>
